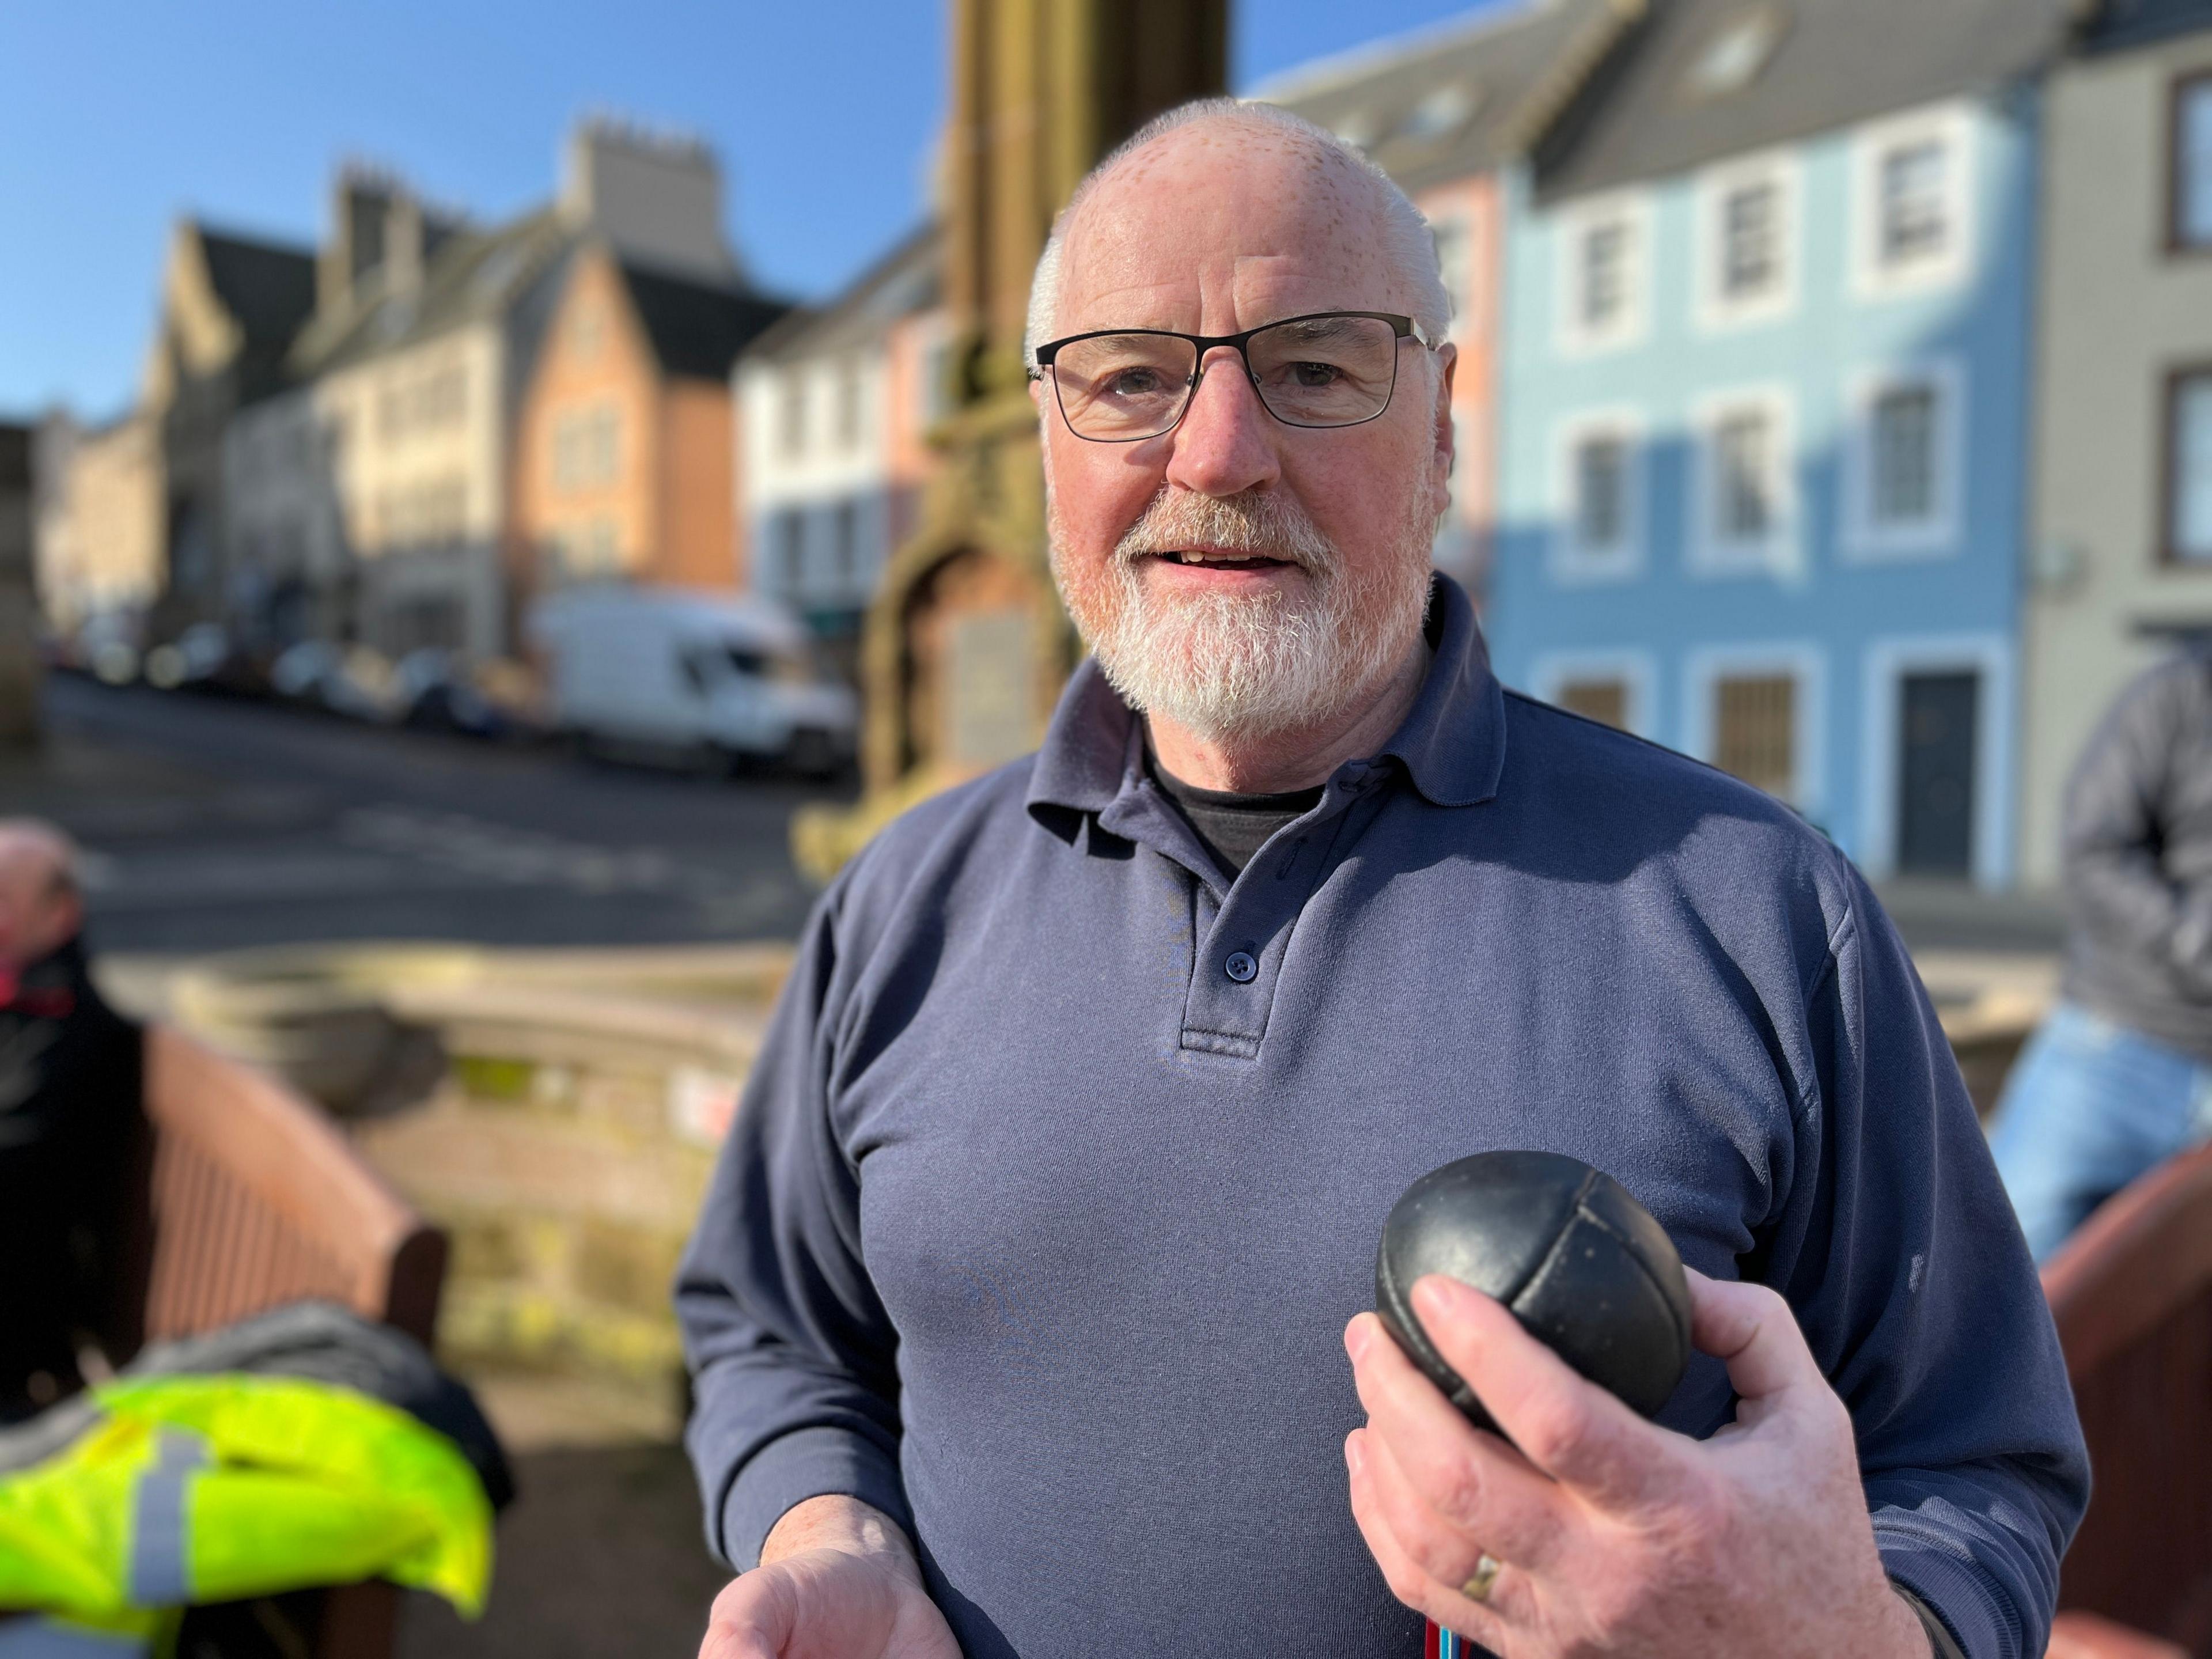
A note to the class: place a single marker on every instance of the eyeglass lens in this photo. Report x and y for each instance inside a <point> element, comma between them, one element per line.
<point>1315,371</point>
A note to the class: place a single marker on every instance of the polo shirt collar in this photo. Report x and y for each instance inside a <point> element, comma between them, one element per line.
<point>1451,743</point>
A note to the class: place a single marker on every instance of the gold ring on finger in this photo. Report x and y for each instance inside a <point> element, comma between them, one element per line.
<point>1478,1586</point>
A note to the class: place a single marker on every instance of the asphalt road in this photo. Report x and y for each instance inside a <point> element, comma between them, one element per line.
<point>213,823</point>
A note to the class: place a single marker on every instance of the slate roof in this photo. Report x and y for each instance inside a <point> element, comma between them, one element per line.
<point>1833,63</point>
<point>268,287</point>
<point>696,328</point>
<point>2123,25</point>
<point>906,280</point>
<point>1459,100</point>
<point>474,276</point>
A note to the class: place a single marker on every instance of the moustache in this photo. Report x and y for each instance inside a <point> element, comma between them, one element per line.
<point>1260,523</point>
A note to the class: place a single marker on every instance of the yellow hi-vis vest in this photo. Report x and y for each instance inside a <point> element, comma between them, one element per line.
<point>215,1488</point>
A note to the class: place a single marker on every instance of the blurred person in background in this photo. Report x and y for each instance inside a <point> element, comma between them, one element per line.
<point>2119,1077</point>
<point>69,1100</point>
<point>1019,1309</point>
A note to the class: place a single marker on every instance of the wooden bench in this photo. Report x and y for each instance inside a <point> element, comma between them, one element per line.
<point>244,1197</point>
<point>2132,1296</point>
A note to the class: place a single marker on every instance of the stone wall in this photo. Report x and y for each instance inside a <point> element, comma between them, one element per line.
<point>563,1129</point>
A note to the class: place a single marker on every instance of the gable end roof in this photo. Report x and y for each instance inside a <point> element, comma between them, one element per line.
<point>269,288</point>
<point>695,330</point>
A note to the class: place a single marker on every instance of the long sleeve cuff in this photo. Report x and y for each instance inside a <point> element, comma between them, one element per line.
<point>817,1462</point>
<point>1955,1591</point>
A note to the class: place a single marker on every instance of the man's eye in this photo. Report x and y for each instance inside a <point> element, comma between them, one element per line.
<point>1315,374</point>
<point>1133,382</point>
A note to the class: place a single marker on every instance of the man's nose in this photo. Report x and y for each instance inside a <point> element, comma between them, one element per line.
<point>1226,442</point>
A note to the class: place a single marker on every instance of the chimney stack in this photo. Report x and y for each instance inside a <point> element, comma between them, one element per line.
<point>656,196</point>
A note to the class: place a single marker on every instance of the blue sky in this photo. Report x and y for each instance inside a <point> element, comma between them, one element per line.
<point>117,117</point>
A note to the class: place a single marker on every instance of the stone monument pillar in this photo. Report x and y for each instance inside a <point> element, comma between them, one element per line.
<point>965,646</point>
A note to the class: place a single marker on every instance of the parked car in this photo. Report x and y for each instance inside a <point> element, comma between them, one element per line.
<point>433,691</point>
<point>193,660</point>
<point>691,674</point>
<point>353,680</point>
<point>298,673</point>
<point>106,647</point>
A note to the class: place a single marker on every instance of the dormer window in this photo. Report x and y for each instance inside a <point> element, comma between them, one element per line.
<point>1442,114</point>
<point>1738,50</point>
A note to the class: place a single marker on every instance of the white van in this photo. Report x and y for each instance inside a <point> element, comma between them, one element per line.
<point>694,674</point>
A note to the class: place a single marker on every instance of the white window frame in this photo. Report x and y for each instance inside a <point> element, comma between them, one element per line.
<point>1639,670</point>
<point>1716,310</point>
<point>1951,125</point>
<point>1633,211</point>
<point>1884,665</point>
<point>1864,538</point>
<point>1569,561</point>
<point>1777,553</point>
<point>1706,666</point>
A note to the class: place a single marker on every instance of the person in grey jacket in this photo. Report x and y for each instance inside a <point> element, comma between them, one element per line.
<point>2119,1077</point>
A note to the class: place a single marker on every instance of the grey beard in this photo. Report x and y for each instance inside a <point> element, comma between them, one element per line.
<point>1229,667</point>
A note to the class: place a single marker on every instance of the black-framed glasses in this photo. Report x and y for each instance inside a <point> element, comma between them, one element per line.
<point>1323,369</point>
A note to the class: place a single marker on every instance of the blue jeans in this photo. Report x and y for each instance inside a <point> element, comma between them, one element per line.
<point>2089,1106</point>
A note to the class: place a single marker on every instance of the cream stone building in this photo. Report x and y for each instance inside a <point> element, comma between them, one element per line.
<point>2121,562</point>
<point>99,554</point>
<point>374,500</point>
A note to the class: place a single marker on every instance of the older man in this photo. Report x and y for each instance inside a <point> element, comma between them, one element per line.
<point>1019,1307</point>
<point>68,1099</point>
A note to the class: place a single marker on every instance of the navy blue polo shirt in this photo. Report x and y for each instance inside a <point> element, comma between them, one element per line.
<point>1064,1163</point>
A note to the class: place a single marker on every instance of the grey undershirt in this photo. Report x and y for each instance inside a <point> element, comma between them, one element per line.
<point>1231,826</point>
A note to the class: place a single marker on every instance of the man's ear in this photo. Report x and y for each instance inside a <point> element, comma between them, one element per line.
<point>1446,435</point>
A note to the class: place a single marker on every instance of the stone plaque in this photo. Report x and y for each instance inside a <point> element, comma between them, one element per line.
<point>990,678</point>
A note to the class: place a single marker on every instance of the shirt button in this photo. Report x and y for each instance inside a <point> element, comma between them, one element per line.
<point>1241,968</point>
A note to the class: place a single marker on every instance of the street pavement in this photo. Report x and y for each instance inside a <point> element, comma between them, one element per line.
<point>213,823</point>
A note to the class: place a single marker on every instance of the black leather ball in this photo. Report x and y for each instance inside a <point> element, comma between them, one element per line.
<point>1582,1266</point>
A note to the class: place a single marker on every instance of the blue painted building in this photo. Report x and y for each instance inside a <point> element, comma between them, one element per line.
<point>1765,394</point>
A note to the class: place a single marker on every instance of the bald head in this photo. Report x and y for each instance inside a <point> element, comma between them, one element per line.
<point>40,909</point>
<point>1287,184</point>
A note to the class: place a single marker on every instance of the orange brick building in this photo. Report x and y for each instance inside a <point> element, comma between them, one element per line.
<point>626,451</point>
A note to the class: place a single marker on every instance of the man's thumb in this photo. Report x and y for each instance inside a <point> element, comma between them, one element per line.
<point>1750,1329</point>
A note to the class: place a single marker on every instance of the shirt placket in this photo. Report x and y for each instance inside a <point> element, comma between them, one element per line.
<point>1242,936</point>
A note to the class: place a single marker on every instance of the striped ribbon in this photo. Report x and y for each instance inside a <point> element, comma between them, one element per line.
<point>1442,1643</point>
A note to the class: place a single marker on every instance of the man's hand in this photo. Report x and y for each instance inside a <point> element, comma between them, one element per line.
<point>838,1580</point>
<point>1616,1536</point>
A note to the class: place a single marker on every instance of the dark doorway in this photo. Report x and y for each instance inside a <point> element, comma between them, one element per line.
<point>1936,773</point>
